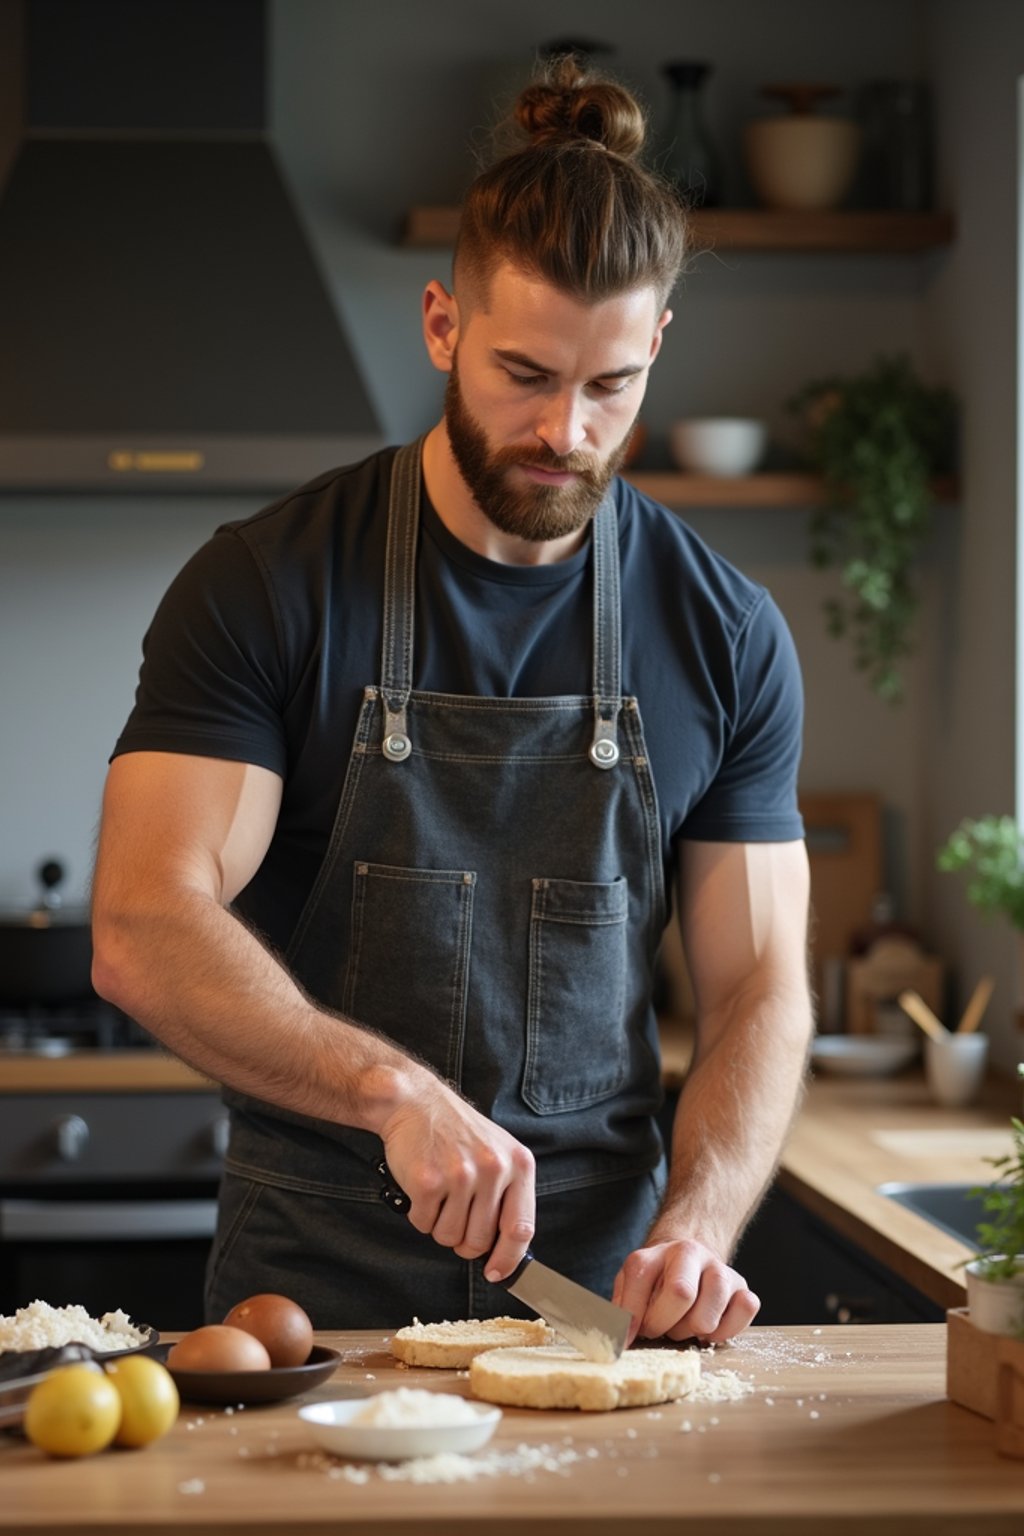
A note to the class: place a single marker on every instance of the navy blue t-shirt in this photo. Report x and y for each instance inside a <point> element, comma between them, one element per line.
<point>262,646</point>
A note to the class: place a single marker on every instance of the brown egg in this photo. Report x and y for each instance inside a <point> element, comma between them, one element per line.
<point>216,1348</point>
<point>281,1326</point>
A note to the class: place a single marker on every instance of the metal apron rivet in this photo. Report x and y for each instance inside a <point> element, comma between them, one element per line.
<point>605,753</point>
<point>397,747</point>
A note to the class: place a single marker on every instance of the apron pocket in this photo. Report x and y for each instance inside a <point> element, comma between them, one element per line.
<point>408,965</point>
<point>576,1042</point>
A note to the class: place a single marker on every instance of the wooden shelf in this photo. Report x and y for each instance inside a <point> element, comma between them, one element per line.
<point>757,229</point>
<point>765,490</point>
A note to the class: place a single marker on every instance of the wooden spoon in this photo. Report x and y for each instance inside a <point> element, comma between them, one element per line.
<point>976,1007</point>
<point>913,1003</point>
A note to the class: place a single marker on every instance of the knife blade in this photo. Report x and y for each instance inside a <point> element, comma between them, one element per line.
<point>596,1327</point>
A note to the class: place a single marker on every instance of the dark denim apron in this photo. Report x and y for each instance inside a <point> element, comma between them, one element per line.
<point>491,899</point>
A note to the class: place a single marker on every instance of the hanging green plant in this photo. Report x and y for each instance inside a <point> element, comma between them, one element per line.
<point>877,439</point>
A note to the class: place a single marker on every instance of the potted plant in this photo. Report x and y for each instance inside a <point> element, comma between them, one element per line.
<point>995,1278</point>
<point>991,850</point>
<point>877,439</point>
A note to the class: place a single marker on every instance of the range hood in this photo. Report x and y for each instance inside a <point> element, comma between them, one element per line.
<point>163,321</point>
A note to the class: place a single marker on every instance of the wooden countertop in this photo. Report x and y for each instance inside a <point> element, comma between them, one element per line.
<point>853,1135</point>
<point>847,1431</point>
<point>137,1071</point>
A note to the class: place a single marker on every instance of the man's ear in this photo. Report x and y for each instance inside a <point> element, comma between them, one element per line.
<point>659,333</point>
<point>440,325</point>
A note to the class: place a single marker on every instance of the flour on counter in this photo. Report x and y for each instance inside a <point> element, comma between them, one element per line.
<point>450,1466</point>
<point>768,1350</point>
<point>721,1387</point>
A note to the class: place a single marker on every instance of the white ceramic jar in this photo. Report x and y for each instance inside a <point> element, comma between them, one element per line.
<point>801,160</point>
<point>995,1306</point>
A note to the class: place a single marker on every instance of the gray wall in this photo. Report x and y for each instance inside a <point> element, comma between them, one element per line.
<point>965,760</point>
<point>378,107</point>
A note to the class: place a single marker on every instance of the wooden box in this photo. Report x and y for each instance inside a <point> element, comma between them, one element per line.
<point>875,980</point>
<point>985,1372</point>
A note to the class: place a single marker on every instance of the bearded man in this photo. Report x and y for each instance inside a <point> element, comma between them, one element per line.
<point>420,759</point>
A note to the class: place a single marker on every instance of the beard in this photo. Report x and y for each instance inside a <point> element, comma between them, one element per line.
<point>537,513</point>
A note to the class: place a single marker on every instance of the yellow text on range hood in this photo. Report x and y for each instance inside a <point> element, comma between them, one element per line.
<point>165,321</point>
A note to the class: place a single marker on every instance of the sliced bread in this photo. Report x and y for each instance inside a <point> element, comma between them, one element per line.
<point>451,1346</point>
<point>557,1376</point>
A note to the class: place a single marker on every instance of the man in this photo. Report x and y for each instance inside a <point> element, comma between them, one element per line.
<point>417,756</point>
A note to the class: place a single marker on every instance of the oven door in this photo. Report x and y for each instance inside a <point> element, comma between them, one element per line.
<point>108,1200</point>
<point>146,1256</point>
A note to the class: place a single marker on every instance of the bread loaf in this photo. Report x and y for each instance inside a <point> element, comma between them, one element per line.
<point>452,1346</point>
<point>557,1376</point>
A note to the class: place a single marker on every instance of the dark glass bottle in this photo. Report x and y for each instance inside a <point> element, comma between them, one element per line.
<point>691,159</point>
<point>897,169</point>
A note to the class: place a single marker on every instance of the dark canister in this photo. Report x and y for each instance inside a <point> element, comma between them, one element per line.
<point>897,167</point>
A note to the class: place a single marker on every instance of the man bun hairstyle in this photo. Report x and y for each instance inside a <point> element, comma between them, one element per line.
<point>571,201</point>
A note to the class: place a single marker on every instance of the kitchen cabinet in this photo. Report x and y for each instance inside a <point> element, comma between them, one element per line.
<point>846,1431</point>
<point>804,1271</point>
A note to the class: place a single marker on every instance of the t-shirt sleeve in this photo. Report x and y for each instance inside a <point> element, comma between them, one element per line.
<point>753,796</point>
<point>212,678</point>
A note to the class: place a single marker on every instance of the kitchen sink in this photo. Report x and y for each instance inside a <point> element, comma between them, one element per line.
<point>956,1208</point>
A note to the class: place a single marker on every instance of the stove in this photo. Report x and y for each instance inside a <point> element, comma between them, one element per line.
<point>57,1029</point>
<point>107,1195</point>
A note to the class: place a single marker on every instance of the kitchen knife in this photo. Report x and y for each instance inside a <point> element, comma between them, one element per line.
<point>597,1328</point>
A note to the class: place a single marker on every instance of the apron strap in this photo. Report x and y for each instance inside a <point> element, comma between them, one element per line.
<point>604,749</point>
<point>399,598</point>
<point>399,606</point>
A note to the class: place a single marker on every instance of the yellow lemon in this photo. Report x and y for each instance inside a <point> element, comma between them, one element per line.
<point>149,1399</point>
<point>73,1412</point>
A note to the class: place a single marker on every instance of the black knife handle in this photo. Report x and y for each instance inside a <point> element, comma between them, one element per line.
<point>511,1279</point>
<point>392,1194</point>
<point>395,1197</point>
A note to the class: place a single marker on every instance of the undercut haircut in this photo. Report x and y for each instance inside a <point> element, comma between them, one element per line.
<point>573,203</point>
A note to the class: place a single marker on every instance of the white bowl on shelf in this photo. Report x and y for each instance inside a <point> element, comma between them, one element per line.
<point>718,445</point>
<point>863,1055</point>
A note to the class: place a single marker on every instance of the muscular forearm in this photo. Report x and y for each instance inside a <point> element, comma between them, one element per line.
<point>190,972</point>
<point>733,1115</point>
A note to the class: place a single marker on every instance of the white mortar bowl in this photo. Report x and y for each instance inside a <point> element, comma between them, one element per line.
<point>717,445</point>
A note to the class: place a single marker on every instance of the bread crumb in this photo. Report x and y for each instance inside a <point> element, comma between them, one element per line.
<point>721,1387</point>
